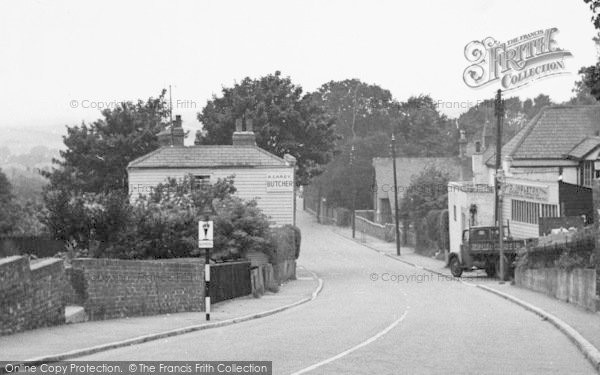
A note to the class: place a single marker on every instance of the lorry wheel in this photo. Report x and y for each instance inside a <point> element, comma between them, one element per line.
<point>455,267</point>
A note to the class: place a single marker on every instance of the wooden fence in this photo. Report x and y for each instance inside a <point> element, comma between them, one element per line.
<point>229,280</point>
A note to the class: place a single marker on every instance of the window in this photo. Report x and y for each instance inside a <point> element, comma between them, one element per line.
<point>549,210</point>
<point>201,180</point>
<point>525,212</point>
<point>530,212</point>
<point>586,173</point>
<point>454,212</point>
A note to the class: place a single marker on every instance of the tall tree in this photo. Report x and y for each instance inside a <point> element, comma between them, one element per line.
<point>360,109</point>
<point>97,154</point>
<point>517,114</point>
<point>423,131</point>
<point>284,121</point>
<point>595,8</point>
<point>590,75</point>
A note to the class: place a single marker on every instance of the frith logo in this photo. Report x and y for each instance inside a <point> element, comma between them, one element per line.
<point>514,63</point>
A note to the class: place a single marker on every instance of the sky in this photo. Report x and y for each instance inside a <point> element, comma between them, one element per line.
<point>62,60</point>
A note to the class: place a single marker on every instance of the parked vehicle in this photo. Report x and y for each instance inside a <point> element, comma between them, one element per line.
<point>479,250</point>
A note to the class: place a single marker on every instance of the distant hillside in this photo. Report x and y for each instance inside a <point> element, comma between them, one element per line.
<point>22,140</point>
<point>26,185</point>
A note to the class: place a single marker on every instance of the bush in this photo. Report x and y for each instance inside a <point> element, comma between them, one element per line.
<point>432,232</point>
<point>297,240</point>
<point>344,217</point>
<point>240,227</point>
<point>161,225</point>
<point>285,244</point>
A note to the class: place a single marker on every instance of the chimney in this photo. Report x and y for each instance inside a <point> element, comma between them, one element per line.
<point>243,137</point>
<point>178,133</point>
<point>462,143</point>
<point>172,136</point>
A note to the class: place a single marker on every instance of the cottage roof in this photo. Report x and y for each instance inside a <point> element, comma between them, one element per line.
<point>208,156</point>
<point>583,148</point>
<point>553,133</point>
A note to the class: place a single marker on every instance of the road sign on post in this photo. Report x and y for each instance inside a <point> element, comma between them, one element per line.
<point>205,234</point>
<point>205,241</point>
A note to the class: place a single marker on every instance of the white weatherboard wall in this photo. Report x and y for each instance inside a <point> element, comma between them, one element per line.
<point>251,183</point>
<point>462,198</point>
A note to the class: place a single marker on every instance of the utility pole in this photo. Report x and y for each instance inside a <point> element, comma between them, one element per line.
<point>393,146</point>
<point>353,192</point>
<point>171,115</point>
<point>499,112</point>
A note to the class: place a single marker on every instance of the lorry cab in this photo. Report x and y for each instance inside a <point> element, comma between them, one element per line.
<point>479,250</point>
<point>483,234</point>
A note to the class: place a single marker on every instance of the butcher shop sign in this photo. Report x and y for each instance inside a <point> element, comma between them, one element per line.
<point>280,181</point>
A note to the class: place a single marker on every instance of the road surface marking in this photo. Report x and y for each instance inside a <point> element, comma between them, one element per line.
<point>361,345</point>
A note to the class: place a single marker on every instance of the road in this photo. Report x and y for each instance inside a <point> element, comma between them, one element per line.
<point>376,315</point>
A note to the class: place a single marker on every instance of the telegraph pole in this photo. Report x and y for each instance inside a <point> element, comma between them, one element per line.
<point>393,146</point>
<point>353,192</point>
<point>499,112</point>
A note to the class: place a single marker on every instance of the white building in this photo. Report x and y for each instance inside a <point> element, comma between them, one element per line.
<point>258,174</point>
<point>549,166</point>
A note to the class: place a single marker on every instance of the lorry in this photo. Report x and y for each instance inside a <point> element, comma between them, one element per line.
<point>479,250</point>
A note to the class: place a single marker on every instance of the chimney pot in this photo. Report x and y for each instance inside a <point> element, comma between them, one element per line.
<point>249,125</point>
<point>238,125</point>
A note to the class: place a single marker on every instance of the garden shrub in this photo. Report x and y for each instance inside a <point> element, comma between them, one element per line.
<point>285,244</point>
<point>163,224</point>
<point>432,232</point>
<point>344,217</point>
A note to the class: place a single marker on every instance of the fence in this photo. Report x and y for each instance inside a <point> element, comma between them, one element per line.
<point>40,246</point>
<point>229,280</point>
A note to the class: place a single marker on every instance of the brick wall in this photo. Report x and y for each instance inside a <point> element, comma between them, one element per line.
<point>115,288</point>
<point>31,295</point>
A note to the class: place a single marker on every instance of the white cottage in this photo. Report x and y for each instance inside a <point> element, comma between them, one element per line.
<point>258,174</point>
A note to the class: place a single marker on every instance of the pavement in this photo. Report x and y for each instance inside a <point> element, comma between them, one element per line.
<point>583,322</point>
<point>73,340</point>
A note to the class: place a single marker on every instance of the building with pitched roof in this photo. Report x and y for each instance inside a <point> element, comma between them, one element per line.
<point>549,167</point>
<point>408,168</point>
<point>258,174</point>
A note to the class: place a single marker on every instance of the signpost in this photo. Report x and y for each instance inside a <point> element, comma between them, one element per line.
<point>396,223</point>
<point>205,241</point>
<point>499,111</point>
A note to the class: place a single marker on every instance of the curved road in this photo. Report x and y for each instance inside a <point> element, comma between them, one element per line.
<point>376,315</point>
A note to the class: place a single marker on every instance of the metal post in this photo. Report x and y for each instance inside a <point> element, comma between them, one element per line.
<point>499,111</point>
<point>207,278</point>
<point>395,194</point>
<point>353,192</point>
